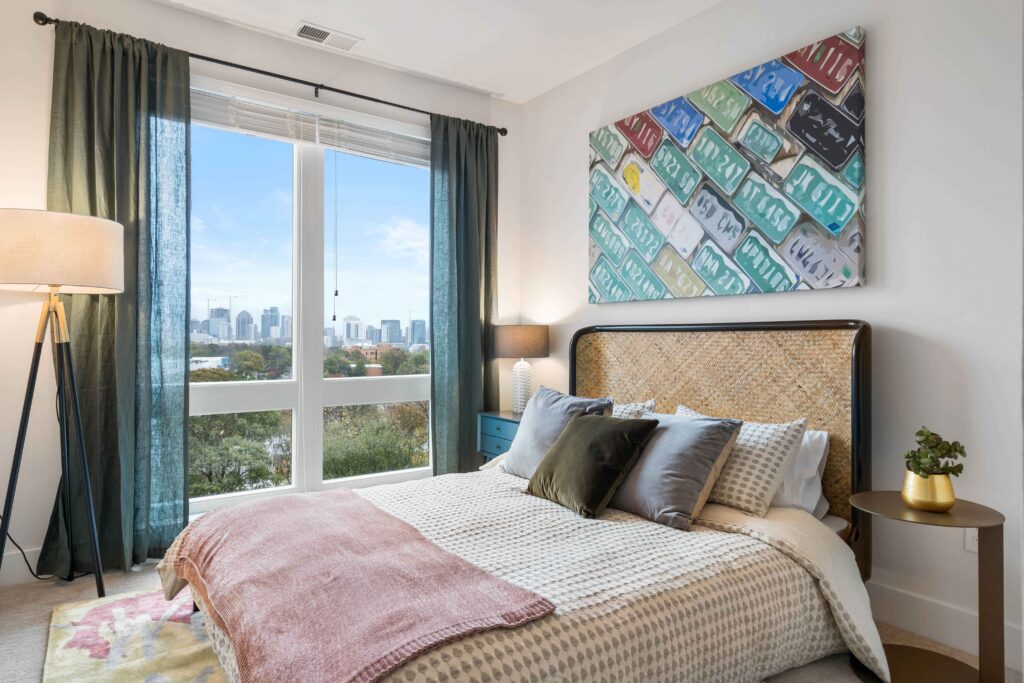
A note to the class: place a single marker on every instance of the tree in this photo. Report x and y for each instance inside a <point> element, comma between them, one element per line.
<point>391,359</point>
<point>249,364</point>
<point>279,360</point>
<point>375,438</point>
<point>238,452</point>
<point>235,464</point>
<point>212,375</point>
<point>415,364</point>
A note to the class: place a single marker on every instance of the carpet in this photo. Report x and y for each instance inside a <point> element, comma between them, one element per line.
<point>130,637</point>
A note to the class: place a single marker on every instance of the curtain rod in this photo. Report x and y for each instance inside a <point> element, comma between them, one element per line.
<point>43,20</point>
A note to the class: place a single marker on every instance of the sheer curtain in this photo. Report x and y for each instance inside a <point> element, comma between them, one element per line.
<point>119,149</point>
<point>463,225</point>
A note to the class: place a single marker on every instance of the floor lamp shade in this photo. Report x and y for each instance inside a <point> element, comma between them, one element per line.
<point>44,249</point>
<point>522,342</point>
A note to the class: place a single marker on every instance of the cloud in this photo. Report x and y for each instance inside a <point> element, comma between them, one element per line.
<point>405,238</point>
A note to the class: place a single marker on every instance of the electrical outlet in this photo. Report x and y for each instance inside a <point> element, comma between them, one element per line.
<point>971,540</point>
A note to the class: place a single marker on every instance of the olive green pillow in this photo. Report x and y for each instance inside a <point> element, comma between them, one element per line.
<point>589,460</point>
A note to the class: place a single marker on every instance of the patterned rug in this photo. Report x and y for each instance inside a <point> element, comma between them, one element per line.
<point>130,637</point>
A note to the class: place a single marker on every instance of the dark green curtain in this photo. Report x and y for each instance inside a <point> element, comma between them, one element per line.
<point>463,225</point>
<point>119,149</point>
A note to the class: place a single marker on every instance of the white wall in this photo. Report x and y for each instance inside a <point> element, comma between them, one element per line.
<point>943,249</point>
<point>26,62</point>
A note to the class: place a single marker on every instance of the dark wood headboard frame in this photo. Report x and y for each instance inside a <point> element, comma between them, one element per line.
<point>859,537</point>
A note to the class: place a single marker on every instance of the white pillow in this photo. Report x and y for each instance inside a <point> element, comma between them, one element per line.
<point>632,410</point>
<point>493,462</point>
<point>801,484</point>
<point>753,473</point>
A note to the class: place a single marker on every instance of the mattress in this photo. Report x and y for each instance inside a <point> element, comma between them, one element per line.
<point>726,601</point>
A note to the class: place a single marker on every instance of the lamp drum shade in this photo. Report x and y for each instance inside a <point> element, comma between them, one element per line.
<point>79,254</point>
<point>521,341</point>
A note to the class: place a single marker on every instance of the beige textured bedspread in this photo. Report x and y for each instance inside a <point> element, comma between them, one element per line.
<point>735,599</point>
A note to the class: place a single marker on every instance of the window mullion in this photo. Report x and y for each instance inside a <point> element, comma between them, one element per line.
<point>309,284</point>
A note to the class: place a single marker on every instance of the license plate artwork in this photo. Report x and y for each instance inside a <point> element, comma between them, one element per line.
<point>752,184</point>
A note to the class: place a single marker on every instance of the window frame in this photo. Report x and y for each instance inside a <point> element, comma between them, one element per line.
<point>307,392</point>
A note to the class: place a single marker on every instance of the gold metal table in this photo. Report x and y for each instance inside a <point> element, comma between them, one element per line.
<point>915,664</point>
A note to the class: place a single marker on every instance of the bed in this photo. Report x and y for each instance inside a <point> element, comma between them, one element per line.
<point>736,598</point>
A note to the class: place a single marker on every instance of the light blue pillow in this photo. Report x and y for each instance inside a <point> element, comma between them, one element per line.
<point>546,415</point>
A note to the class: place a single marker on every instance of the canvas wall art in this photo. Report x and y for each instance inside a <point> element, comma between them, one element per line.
<point>752,184</point>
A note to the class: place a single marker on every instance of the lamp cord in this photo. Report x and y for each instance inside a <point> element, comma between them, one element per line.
<point>28,565</point>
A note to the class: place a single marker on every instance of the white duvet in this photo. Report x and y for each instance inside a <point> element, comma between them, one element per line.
<point>735,599</point>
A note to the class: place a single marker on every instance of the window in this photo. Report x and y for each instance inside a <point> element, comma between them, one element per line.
<point>242,227</point>
<point>294,388</point>
<point>377,267</point>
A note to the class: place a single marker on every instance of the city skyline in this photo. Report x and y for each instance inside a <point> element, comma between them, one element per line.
<point>242,327</point>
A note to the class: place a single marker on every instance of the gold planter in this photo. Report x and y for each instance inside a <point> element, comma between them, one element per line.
<point>933,493</point>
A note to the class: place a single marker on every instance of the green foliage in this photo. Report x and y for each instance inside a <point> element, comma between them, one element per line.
<point>239,452</point>
<point>245,362</point>
<point>212,375</point>
<point>343,363</point>
<point>934,455</point>
<point>414,364</point>
<point>375,438</point>
<point>248,364</point>
<point>247,451</point>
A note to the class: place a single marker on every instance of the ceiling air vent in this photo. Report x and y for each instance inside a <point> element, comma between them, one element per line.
<point>325,36</point>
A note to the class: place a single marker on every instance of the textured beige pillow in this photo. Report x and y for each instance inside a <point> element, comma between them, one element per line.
<point>759,460</point>
<point>632,411</point>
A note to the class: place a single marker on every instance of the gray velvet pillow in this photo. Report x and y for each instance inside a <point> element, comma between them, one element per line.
<point>547,412</point>
<point>675,474</point>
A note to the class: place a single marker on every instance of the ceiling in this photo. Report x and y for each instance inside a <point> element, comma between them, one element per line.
<point>515,49</point>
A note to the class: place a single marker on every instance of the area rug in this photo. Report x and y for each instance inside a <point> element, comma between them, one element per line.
<point>130,637</point>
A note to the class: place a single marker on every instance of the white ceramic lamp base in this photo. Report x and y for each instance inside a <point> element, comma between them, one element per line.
<point>520,386</point>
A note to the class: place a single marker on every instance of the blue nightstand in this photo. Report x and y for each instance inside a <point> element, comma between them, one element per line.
<point>495,431</point>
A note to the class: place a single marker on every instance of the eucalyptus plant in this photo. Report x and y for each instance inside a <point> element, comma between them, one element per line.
<point>934,455</point>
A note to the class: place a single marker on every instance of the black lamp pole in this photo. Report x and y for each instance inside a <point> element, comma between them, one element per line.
<point>53,317</point>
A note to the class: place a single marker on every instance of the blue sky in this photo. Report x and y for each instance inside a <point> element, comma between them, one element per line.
<point>242,197</point>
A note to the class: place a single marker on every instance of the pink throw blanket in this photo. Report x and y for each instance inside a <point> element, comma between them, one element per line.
<point>329,587</point>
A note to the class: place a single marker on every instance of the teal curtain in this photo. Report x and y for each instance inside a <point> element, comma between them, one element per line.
<point>463,224</point>
<point>119,149</point>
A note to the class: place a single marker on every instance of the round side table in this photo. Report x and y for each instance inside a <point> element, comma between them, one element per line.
<point>915,664</point>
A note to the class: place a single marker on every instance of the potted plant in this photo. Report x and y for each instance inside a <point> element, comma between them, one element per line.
<point>926,484</point>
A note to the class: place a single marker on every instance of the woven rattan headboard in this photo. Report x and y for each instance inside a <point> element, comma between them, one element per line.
<point>764,372</point>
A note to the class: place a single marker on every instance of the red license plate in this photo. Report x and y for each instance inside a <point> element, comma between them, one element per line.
<point>641,130</point>
<point>830,63</point>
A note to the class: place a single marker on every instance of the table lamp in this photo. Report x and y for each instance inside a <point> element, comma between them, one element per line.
<point>55,253</point>
<point>522,342</point>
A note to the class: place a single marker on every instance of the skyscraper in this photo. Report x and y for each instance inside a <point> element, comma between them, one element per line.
<point>286,327</point>
<point>391,331</point>
<point>353,329</point>
<point>243,326</point>
<point>372,334</point>
<point>329,339</point>
<point>220,323</point>
<point>418,332</point>
<point>270,323</point>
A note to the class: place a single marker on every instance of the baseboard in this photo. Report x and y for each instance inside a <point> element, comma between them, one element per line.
<point>14,570</point>
<point>949,624</point>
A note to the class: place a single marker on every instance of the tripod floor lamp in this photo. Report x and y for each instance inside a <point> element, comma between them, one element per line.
<point>45,251</point>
